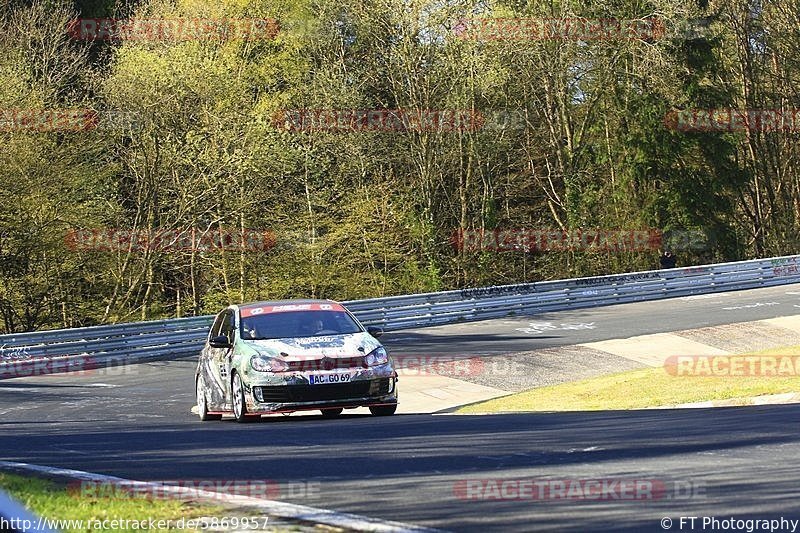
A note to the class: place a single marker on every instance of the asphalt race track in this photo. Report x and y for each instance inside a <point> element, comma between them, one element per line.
<point>135,423</point>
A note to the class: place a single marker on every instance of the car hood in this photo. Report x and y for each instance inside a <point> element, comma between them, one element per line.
<point>303,348</point>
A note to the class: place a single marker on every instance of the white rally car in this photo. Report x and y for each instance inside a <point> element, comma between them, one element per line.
<point>292,355</point>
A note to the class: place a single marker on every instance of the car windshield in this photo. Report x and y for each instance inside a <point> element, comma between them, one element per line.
<point>298,324</point>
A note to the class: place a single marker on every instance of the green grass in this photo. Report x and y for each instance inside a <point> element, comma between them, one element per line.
<point>53,501</point>
<point>650,387</point>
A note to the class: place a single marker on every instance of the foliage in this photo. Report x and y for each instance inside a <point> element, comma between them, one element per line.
<point>574,137</point>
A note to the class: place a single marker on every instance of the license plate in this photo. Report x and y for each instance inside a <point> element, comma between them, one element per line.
<point>322,379</point>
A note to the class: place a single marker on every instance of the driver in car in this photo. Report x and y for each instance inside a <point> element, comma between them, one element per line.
<point>314,327</point>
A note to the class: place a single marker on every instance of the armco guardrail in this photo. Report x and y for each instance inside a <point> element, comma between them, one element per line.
<point>45,352</point>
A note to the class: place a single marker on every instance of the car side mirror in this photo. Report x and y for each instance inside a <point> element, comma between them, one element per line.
<point>375,331</point>
<point>220,341</point>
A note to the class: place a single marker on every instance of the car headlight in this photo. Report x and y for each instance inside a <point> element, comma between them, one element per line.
<point>378,356</point>
<point>265,363</point>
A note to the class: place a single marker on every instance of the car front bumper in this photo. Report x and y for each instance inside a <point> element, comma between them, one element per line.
<point>277,393</point>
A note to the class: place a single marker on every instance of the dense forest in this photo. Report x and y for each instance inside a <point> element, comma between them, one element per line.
<point>264,129</point>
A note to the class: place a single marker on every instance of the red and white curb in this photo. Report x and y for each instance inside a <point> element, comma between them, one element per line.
<point>274,508</point>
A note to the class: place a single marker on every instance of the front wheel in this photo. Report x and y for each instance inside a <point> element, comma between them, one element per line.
<point>238,400</point>
<point>383,410</point>
<point>202,401</point>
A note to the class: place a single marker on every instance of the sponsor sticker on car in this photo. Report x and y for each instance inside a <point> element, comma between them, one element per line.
<point>261,310</point>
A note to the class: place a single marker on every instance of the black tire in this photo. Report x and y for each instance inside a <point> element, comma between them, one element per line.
<point>383,410</point>
<point>202,401</point>
<point>238,402</point>
<point>332,413</point>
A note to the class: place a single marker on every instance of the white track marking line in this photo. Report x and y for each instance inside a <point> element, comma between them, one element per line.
<point>703,296</point>
<point>270,507</point>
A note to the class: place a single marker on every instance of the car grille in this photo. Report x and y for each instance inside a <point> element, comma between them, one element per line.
<point>321,393</point>
<point>326,363</point>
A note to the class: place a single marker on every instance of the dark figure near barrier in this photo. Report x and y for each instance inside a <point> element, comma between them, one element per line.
<point>668,260</point>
